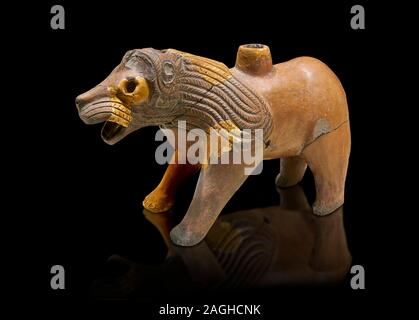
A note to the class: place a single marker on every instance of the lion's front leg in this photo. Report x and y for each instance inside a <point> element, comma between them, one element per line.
<point>162,198</point>
<point>216,185</point>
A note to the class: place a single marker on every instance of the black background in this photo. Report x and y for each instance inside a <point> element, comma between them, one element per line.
<point>78,210</point>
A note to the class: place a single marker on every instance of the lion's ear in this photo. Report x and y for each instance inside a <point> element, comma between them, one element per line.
<point>168,72</point>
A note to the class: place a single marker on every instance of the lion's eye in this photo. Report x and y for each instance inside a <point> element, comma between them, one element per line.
<point>131,85</point>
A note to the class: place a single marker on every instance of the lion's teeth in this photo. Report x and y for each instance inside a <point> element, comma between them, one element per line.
<point>120,117</point>
<point>116,119</point>
<point>121,114</point>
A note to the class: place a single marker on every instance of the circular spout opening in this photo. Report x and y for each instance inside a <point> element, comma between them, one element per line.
<point>255,46</point>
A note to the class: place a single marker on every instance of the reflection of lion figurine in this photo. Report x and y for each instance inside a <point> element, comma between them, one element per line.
<point>279,245</point>
<point>299,104</point>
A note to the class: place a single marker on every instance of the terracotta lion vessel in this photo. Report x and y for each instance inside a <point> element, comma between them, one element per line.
<point>300,105</point>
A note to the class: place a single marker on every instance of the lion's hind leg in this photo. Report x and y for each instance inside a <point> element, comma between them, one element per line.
<point>327,158</point>
<point>291,172</point>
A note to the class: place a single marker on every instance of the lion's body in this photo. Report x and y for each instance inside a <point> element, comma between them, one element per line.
<point>306,100</point>
<point>300,105</point>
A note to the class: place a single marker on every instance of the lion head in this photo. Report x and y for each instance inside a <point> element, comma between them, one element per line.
<point>126,100</point>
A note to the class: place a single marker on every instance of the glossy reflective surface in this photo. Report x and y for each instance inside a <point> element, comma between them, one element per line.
<point>278,245</point>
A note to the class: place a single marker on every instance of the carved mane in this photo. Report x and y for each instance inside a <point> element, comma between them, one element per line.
<point>204,93</point>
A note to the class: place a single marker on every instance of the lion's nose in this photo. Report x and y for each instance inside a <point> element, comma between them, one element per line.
<point>94,94</point>
<point>84,99</point>
<point>79,103</point>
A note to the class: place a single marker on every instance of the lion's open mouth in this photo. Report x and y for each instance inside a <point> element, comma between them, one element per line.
<point>110,130</point>
<point>117,118</point>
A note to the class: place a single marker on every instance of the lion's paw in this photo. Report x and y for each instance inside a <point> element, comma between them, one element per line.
<point>185,237</point>
<point>158,202</point>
